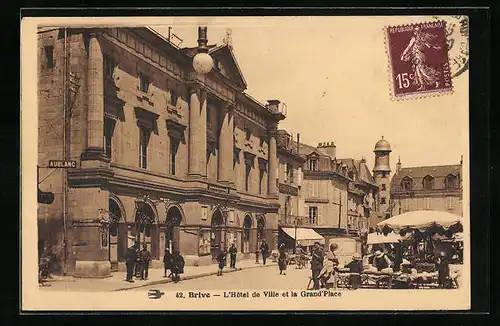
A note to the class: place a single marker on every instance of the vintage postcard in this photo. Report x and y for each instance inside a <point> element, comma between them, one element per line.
<point>245,163</point>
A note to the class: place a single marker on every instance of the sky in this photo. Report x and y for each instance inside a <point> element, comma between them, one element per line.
<point>332,73</point>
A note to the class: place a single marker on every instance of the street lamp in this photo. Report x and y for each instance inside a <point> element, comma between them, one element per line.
<point>202,61</point>
<point>297,222</point>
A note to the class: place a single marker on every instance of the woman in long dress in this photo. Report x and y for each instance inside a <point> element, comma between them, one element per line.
<point>282,259</point>
<point>327,274</point>
<point>424,75</point>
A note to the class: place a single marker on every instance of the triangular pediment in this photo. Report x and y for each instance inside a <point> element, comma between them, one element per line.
<point>225,63</point>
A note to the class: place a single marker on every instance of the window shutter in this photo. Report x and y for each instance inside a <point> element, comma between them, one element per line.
<point>319,221</point>
<point>299,176</point>
<point>306,213</point>
<point>300,209</point>
<point>309,189</point>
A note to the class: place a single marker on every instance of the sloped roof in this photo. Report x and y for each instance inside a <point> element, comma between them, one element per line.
<point>419,172</point>
<point>305,150</point>
<point>225,50</point>
<point>363,174</point>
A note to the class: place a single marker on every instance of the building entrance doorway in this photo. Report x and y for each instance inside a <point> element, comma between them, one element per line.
<point>115,234</point>
<point>171,233</point>
<point>247,226</point>
<point>216,234</point>
<point>145,226</point>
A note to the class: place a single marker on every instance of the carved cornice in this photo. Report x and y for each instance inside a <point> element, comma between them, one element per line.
<point>175,128</point>
<point>288,189</point>
<point>89,177</point>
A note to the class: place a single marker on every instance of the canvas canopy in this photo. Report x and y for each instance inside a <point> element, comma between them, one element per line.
<point>421,220</point>
<point>378,238</point>
<point>306,237</point>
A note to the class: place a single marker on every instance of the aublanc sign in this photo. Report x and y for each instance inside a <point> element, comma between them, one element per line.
<point>62,164</point>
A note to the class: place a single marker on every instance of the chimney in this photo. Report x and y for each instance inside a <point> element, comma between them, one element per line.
<point>273,105</point>
<point>329,148</point>
<point>298,143</point>
<point>202,39</point>
<point>398,165</point>
<point>461,159</point>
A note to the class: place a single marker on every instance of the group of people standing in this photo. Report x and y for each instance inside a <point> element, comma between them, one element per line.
<point>137,262</point>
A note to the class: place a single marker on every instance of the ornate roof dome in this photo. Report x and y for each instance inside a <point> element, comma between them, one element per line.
<point>382,145</point>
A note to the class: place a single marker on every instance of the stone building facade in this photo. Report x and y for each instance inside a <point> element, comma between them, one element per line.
<point>427,188</point>
<point>165,156</point>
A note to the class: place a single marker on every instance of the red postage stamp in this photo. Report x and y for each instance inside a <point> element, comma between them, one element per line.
<point>418,60</point>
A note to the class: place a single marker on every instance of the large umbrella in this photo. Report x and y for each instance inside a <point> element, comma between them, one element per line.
<point>420,220</point>
<point>378,238</point>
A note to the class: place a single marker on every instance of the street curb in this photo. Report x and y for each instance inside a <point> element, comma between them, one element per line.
<point>190,277</point>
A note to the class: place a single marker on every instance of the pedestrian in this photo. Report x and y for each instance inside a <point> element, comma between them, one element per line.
<point>264,249</point>
<point>282,259</point>
<point>137,265</point>
<point>145,259</point>
<point>381,261</point>
<point>178,266</point>
<point>131,257</point>
<point>330,263</point>
<point>443,267</point>
<point>232,253</point>
<point>316,264</point>
<point>221,259</point>
<point>168,262</point>
<point>355,270</point>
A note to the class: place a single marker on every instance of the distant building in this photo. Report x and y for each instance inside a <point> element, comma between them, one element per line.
<point>362,191</point>
<point>427,187</point>
<point>382,175</point>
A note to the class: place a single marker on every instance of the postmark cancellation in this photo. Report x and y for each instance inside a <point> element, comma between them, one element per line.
<point>418,60</point>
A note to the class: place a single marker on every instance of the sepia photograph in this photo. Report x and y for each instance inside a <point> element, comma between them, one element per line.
<point>242,163</point>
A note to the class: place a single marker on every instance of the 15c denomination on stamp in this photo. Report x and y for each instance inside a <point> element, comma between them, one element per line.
<point>418,60</point>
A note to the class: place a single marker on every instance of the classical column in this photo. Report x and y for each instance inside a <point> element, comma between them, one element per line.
<point>272,163</point>
<point>95,115</point>
<point>226,145</point>
<point>197,132</point>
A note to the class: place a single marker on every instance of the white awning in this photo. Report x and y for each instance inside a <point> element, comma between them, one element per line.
<point>306,237</point>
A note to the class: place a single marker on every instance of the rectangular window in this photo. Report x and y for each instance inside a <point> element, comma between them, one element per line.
<point>49,56</point>
<point>382,200</point>
<point>143,147</point>
<point>285,167</point>
<point>108,136</point>
<point>248,168</point>
<point>173,98</point>
<point>174,145</point>
<point>427,202</point>
<point>109,67</point>
<point>449,203</point>
<point>261,178</point>
<point>383,186</point>
<point>313,165</point>
<point>143,83</point>
<point>313,215</point>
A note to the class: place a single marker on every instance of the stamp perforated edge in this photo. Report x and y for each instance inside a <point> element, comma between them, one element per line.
<point>413,96</point>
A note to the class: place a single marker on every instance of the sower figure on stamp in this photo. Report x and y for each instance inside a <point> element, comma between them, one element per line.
<point>168,262</point>
<point>145,258</point>
<point>424,75</point>
<point>232,253</point>
<point>316,264</point>
<point>264,249</point>
<point>131,258</point>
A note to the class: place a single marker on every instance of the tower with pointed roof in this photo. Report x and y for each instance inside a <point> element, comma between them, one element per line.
<point>382,175</point>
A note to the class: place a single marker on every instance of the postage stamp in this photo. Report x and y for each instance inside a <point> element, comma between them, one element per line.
<point>418,60</point>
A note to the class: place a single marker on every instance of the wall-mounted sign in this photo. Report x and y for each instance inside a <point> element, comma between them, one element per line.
<point>62,164</point>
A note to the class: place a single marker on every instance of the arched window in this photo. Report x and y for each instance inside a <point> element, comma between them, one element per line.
<point>406,183</point>
<point>451,181</point>
<point>428,182</point>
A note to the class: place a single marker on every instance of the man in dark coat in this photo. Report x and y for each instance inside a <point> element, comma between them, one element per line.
<point>168,262</point>
<point>145,259</point>
<point>264,249</point>
<point>232,253</point>
<point>221,259</point>
<point>316,263</point>
<point>131,257</point>
<point>443,268</point>
<point>178,264</point>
